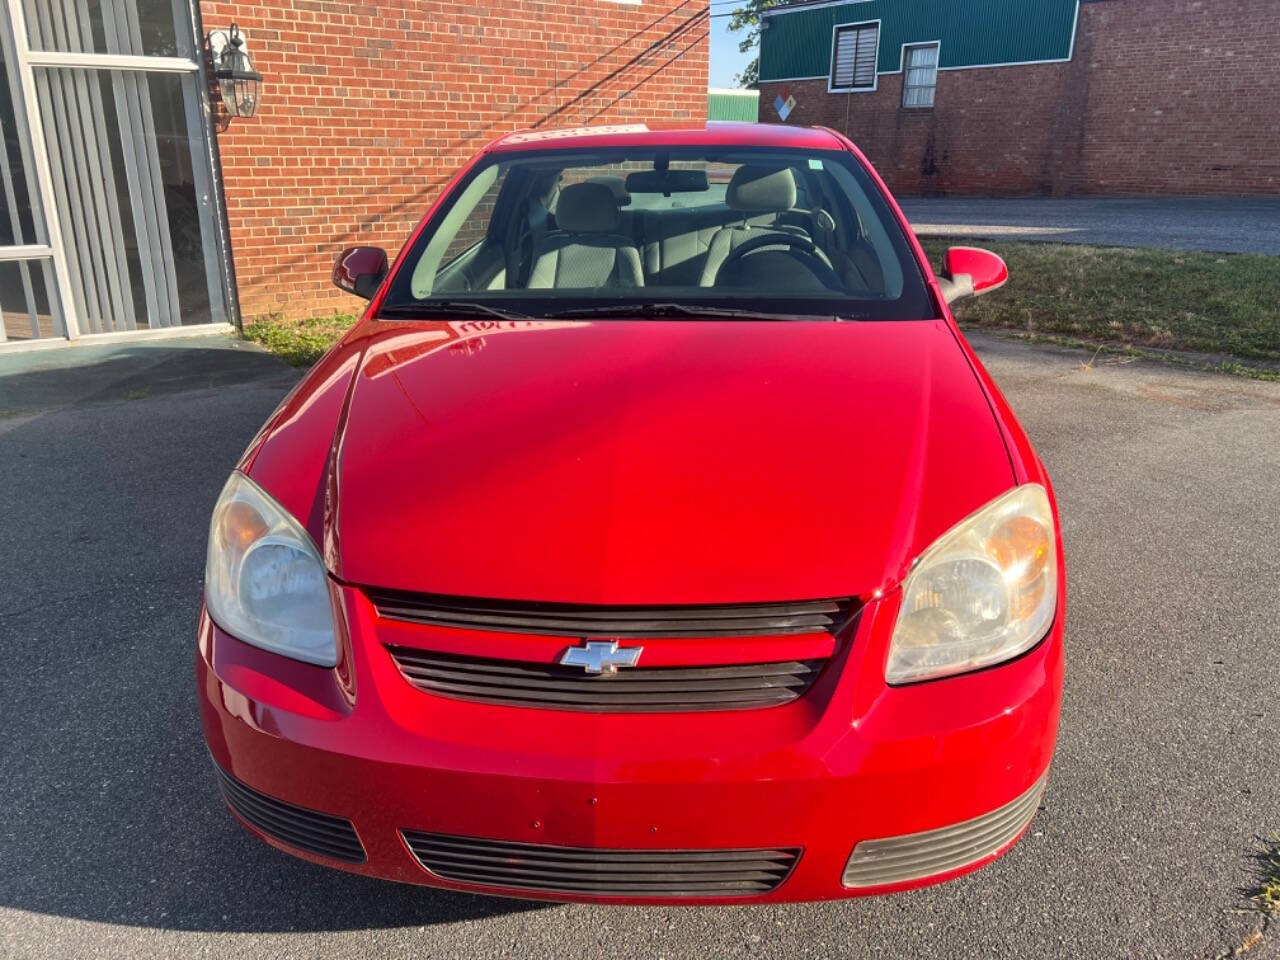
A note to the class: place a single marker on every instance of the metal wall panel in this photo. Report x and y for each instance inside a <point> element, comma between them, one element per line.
<point>973,33</point>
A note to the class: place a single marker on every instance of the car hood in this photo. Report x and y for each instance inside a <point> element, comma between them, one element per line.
<point>656,462</point>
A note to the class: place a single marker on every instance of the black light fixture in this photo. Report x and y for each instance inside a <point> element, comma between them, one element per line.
<point>239,82</point>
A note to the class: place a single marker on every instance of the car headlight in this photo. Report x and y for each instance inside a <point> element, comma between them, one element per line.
<point>984,592</point>
<point>264,582</point>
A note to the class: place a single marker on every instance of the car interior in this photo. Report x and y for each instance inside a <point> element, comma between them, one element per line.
<point>792,225</point>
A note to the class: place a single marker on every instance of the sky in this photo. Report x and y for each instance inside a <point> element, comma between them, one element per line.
<point>726,61</point>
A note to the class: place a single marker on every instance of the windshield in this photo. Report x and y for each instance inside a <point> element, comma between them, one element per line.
<point>673,231</point>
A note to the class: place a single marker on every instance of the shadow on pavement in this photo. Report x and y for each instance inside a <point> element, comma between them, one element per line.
<point>102,373</point>
<point>112,812</point>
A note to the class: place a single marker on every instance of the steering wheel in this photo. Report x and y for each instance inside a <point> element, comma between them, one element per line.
<point>816,261</point>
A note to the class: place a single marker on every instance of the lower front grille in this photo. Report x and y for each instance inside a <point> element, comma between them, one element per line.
<point>591,870</point>
<point>638,690</point>
<point>309,830</point>
<point>914,856</point>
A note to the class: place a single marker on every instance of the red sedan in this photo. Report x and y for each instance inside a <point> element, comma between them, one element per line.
<point>654,537</point>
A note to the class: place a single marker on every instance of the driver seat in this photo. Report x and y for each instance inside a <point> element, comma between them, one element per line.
<point>754,190</point>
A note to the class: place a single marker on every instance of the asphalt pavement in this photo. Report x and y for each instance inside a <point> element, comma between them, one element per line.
<point>1215,224</point>
<point>115,843</point>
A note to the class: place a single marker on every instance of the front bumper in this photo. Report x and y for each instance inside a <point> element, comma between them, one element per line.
<point>852,762</point>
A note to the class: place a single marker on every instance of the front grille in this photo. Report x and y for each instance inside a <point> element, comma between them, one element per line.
<point>590,870</point>
<point>638,690</point>
<point>913,856</point>
<point>574,620</point>
<point>308,830</point>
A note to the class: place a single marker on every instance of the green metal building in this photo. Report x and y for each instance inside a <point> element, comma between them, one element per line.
<point>797,41</point>
<point>733,105</point>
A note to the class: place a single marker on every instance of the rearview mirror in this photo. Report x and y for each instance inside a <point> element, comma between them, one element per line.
<point>360,270</point>
<point>667,182</point>
<point>971,272</point>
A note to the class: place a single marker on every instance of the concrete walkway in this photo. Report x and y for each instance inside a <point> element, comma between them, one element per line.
<point>1218,224</point>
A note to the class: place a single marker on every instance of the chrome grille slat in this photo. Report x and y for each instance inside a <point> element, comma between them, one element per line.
<point>574,620</point>
<point>529,863</point>
<point>555,869</point>
<point>446,842</point>
<point>912,856</point>
<point>309,830</point>
<point>914,851</point>
<point>640,689</point>
<point>604,888</point>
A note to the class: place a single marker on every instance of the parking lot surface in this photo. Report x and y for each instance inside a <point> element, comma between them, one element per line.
<point>1215,224</point>
<point>115,843</point>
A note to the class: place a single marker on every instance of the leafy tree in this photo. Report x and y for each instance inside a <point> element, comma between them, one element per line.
<point>747,17</point>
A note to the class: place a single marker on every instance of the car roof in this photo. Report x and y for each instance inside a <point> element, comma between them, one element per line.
<point>711,133</point>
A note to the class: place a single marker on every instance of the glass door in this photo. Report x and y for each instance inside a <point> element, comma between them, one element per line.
<point>119,100</point>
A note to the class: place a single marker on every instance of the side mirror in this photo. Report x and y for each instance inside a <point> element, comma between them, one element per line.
<point>360,270</point>
<point>971,272</point>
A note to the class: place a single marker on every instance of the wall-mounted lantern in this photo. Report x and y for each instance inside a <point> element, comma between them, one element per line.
<point>232,68</point>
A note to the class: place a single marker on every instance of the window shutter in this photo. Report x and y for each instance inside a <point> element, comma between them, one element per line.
<point>853,61</point>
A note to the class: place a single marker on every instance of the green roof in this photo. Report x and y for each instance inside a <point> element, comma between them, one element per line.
<point>733,105</point>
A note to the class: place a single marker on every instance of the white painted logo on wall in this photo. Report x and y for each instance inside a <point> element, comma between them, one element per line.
<point>784,105</point>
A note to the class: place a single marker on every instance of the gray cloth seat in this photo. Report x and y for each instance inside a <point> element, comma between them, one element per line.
<point>588,248</point>
<point>753,190</point>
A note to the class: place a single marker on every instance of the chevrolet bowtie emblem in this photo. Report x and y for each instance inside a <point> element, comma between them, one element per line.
<point>599,656</point>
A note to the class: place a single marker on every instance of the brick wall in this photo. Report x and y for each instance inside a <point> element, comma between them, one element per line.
<point>369,107</point>
<point>1162,96</point>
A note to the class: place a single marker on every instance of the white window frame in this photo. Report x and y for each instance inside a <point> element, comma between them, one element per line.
<point>937,67</point>
<point>24,64</point>
<point>831,72</point>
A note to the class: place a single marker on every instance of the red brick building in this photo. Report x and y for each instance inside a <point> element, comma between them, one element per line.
<point>369,106</point>
<point>1051,97</point>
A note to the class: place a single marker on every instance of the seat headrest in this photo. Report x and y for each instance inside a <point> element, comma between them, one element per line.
<point>760,189</point>
<point>616,184</point>
<point>587,208</point>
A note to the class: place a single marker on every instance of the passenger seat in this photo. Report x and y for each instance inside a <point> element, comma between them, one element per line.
<point>588,250</point>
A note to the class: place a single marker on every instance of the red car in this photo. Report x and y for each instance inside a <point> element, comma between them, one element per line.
<point>654,537</point>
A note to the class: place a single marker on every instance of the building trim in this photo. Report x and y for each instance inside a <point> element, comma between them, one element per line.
<point>111,61</point>
<point>230,286</point>
<point>27,251</point>
<point>902,59</point>
<point>819,76</point>
<point>27,111</point>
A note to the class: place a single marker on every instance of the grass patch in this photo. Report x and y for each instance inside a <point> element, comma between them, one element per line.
<point>1161,300</point>
<point>1267,893</point>
<point>298,342</point>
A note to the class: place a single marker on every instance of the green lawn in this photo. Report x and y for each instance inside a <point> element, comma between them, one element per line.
<point>1160,300</point>
<point>1151,301</point>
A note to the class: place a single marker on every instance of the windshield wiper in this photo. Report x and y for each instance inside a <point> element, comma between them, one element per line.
<point>685,310</point>
<point>434,308</point>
